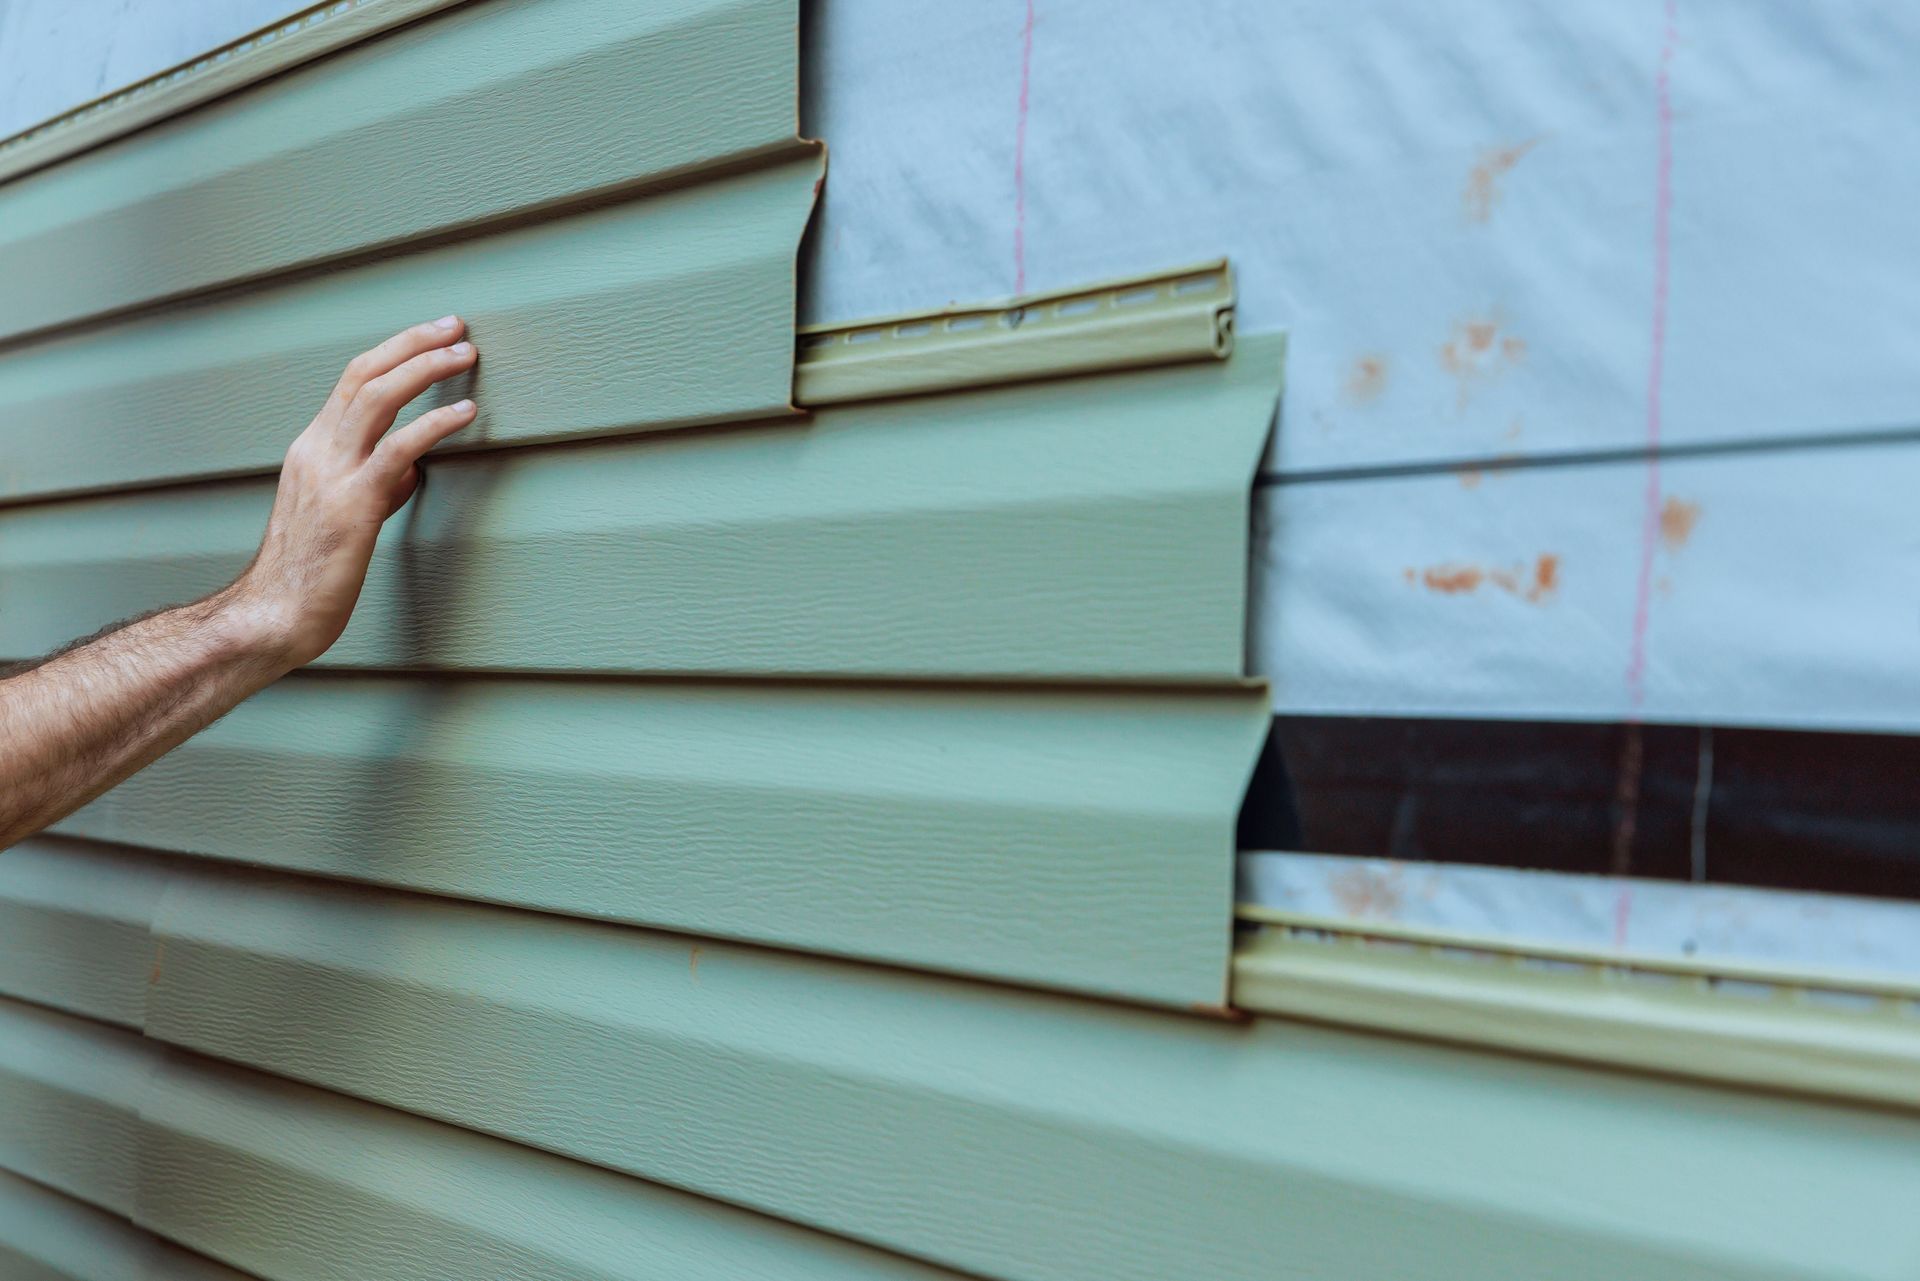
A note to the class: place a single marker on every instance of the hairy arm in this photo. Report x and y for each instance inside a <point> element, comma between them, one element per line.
<point>83,720</point>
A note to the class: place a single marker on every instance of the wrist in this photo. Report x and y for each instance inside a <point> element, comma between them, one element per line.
<point>250,628</point>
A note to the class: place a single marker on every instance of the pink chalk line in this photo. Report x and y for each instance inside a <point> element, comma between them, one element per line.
<point>1656,377</point>
<point>1656,359</point>
<point>1020,159</point>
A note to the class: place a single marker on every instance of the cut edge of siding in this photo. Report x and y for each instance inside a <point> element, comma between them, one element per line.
<point>1852,1037</point>
<point>299,38</point>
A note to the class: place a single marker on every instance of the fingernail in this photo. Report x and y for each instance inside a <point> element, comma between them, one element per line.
<point>461,348</point>
<point>446,322</point>
<point>462,406</point>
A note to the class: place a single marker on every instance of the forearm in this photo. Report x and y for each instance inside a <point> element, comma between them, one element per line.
<point>88,717</point>
<point>81,722</point>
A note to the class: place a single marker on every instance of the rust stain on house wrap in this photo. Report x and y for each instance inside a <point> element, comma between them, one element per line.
<point>1546,577</point>
<point>1367,379</point>
<point>1482,191</point>
<point>1677,519</point>
<point>1362,891</point>
<point>1532,584</point>
<point>1453,580</point>
<point>1477,351</point>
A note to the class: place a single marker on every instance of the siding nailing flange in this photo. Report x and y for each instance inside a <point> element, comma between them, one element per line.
<point>1164,318</point>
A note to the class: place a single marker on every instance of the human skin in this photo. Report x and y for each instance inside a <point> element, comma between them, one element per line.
<point>81,721</point>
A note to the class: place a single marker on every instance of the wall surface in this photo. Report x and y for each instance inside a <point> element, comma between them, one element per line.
<point>1515,250</point>
<point>543,937</point>
<point>57,54</point>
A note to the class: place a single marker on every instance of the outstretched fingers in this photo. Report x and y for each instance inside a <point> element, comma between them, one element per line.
<point>403,346</point>
<point>374,407</point>
<point>393,458</point>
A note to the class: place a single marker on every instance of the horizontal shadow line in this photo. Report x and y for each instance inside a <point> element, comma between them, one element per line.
<point>1865,437</point>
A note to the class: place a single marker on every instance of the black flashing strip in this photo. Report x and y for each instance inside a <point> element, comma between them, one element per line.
<point>1786,809</point>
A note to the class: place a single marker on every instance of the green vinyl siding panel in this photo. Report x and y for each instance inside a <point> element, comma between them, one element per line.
<point>491,109</point>
<point>69,1091</point>
<point>778,847</point>
<point>666,311</point>
<point>999,1132</point>
<point>1069,837</point>
<point>774,847</point>
<point>299,1184</point>
<point>75,929</point>
<point>45,1236</point>
<point>1089,529</point>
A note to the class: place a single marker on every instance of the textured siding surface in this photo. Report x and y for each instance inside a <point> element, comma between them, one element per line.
<point>1040,1136</point>
<point>1071,530</point>
<point>633,176</point>
<point>705,272</point>
<point>300,1184</point>
<point>69,1092</point>
<point>785,848</point>
<point>74,928</point>
<point>492,109</point>
<point>45,1236</point>
<point>1071,838</point>
<point>943,684</point>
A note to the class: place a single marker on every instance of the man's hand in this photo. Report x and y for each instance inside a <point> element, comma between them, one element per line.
<point>343,477</point>
<point>97,711</point>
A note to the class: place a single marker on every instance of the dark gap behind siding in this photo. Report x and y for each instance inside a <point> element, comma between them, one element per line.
<point>1788,809</point>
